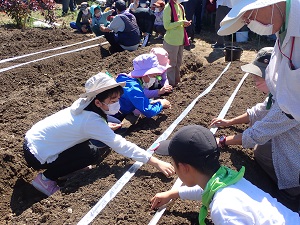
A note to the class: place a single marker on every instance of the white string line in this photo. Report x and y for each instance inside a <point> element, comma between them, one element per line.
<point>62,53</point>
<point>178,182</point>
<point>48,50</point>
<point>130,172</point>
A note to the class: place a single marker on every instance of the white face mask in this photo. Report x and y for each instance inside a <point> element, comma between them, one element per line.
<point>157,10</point>
<point>85,11</point>
<point>98,14</point>
<point>150,83</point>
<point>112,108</point>
<point>260,28</point>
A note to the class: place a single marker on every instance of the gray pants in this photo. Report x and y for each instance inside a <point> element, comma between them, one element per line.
<point>175,57</point>
<point>221,12</point>
<point>263,156</point>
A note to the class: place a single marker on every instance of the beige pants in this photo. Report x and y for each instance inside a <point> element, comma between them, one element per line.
<point>175,57</point>
<point>263,156</point>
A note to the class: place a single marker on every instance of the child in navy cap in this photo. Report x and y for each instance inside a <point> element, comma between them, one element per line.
<point>230,198</point>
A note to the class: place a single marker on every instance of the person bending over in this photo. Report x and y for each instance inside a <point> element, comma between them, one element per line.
<point>60,143</point>
<point>146,69</point>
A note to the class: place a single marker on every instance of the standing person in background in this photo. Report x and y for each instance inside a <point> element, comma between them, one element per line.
<point>223,7</point>
<point>225,193</point>
<point>123,32</point>
<point>60,143</point>
<point>175,38</point>
<point>66,4</point>
<point>193,13</point>
<point>159,7</point>
<point>83,20</point>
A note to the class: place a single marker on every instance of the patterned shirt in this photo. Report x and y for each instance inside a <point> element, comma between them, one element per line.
<point>258,112</point>
<point>285,136</point>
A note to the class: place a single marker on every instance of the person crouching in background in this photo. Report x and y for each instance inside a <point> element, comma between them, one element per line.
<point>83,20</point>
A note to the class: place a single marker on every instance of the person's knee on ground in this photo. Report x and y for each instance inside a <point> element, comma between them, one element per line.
<point>97,30</point>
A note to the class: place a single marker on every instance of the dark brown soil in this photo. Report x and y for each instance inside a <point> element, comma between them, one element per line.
<point>33,91</point>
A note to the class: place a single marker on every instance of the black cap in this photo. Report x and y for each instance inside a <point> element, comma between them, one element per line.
<point>120,5</point>
<point>192,140</point>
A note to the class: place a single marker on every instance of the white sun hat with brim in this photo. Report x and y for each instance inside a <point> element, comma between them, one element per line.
<point>96,84</point>
<point>146,64</point>
<point>233,21</point>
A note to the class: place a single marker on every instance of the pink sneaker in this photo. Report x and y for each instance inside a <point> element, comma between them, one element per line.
<point>48,187</point>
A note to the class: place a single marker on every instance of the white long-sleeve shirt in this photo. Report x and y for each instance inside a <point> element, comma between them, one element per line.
<point>243,204</point>
<point>258,112</point>
<point>62,130</point>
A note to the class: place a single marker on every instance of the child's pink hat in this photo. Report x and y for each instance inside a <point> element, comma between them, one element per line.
<point>162,56</point>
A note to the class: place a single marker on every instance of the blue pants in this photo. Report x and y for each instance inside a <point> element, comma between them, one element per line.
<point>74,26</point>
<point>68,3</point>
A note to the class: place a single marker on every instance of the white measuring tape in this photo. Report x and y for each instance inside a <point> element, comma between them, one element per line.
<point>48,50</point>
<point>62,53</point>
<point>130,172</point>
<point>178,182</point>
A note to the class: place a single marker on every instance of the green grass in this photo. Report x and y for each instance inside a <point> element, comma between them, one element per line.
<point>64,21</point>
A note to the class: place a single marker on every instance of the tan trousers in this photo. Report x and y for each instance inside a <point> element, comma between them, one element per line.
<point>175,57</point>
<point>263,156</point>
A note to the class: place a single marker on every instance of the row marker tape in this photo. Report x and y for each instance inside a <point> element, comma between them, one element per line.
<point>48,50</point>
<point>130,172</point>
<point>178,182</point>
<point>51,56</point>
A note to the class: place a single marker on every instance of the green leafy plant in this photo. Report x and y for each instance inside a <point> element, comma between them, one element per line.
<point>20,10</point>
<point>48,10</point>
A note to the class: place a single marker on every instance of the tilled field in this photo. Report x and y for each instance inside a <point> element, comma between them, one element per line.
<point>35,90</point>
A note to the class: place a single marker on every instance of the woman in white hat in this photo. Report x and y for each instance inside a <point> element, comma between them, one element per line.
<point>282,123</point>
<point>60,142</point>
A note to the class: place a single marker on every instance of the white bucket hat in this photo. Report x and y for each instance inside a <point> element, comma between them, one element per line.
<point>233,21</point>
<point>93,86</point>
